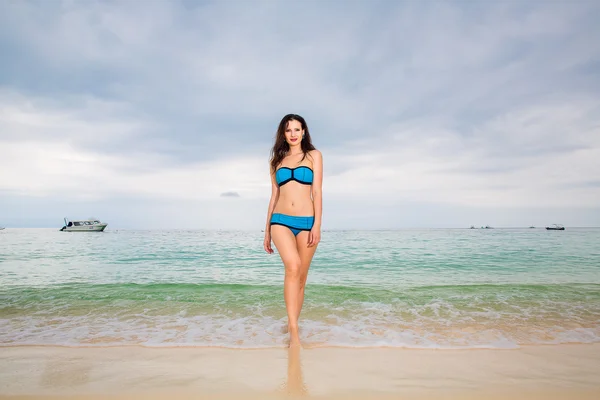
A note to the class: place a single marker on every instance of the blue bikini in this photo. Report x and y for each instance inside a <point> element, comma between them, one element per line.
<point>303,175</point>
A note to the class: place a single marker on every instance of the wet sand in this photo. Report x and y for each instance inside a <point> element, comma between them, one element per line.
<point>534,372</point>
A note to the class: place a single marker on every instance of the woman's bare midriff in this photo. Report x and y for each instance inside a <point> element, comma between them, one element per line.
<point>295,199</point>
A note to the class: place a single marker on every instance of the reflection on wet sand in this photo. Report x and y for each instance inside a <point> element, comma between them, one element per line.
<point>295,381</point>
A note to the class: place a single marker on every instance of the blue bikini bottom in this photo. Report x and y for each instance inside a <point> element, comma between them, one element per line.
<point>296,224</point>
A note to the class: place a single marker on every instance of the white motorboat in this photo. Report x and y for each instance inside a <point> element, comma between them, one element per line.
<point>86,225</point>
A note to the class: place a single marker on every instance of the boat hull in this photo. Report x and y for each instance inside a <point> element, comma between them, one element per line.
<point>555,229</point>
<point>86,228</point>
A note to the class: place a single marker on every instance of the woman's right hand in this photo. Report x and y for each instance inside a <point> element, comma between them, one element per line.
<point>267,243</point>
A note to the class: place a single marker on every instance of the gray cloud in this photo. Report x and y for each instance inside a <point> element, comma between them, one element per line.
<point>404,99</point>
<point>230,194</point>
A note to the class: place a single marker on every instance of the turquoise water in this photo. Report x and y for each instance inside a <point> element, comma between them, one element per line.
<point>437,288</point>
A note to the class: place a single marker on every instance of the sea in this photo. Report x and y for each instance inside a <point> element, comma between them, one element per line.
<point>412,288</point>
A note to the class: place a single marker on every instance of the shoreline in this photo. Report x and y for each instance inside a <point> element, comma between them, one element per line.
<point>530,372</point>
<point>304,347</point>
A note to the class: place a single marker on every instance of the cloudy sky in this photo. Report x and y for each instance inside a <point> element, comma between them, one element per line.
<point>161,114</point>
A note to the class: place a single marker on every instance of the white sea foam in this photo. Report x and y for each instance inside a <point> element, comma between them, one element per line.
<point>264,331</point>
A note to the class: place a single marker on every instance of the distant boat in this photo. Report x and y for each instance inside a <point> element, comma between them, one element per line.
<point>87,225</point>
<point>1,228</point>
<point>472,227</point>
<point>532,227</point>
<point>555,227</point>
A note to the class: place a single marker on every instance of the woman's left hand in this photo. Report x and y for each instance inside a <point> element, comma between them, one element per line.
<point>314,237</point>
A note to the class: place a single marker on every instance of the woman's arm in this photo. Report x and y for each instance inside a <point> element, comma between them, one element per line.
<point>272,202</point>
<point>317,185</point>
<point>274,197</point>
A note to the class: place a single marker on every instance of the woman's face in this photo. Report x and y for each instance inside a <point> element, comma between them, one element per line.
<point>293,133</point>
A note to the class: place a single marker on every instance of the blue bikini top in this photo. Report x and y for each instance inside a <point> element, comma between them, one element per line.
<point>302,174</point>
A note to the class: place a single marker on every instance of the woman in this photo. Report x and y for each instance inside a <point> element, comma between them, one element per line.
<point>294,216</point>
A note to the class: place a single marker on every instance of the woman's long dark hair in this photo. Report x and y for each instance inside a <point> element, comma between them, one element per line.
<point>281,147</point>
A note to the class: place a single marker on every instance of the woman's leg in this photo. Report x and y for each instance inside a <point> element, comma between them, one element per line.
<point>306,255</point>
<point>285,242</point>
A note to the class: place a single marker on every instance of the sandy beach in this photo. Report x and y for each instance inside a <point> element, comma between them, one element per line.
<point>534,372</point>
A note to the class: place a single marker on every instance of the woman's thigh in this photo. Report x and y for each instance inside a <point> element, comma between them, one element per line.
<point>285,242</point>
<point>304,252</point>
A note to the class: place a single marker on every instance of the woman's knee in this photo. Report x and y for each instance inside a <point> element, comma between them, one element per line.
<point>293,269</point>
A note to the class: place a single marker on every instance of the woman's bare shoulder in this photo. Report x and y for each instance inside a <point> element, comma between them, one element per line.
<point>315,154</point>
